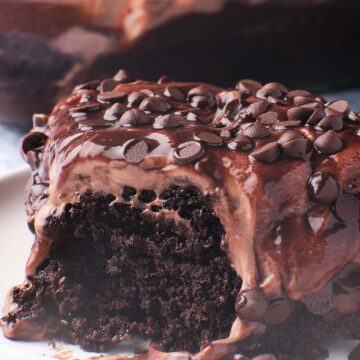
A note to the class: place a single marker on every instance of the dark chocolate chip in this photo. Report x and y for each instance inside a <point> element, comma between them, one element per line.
<point>201,96</point>
<point>33,140</point>
<point>255,109</point>
<point>267,153</point>
<point>323,188</point>
<point>316,117</point>
<point>111,96</point>
<point>134,117</point>
<point>278,312</point>
<point>328,143</point>
<point>209,138</point>
<point>299,113</point>
<point>174,93</point>
<point>166,121</point>
<point>188,152</point>
<point>302,100</point>
<point>273,89</point>
<point>320,303</point>
<point>164,79</point>
<point>40,120</point>
<point>155,104</point>
<point>241,143</point>
<point>341,106</point>
<point>268,119</point>
<point>108,85</point>
<point>248,86</point>
<point>353,116</point>
<point>231,108</point>
<point>274,100</point>
<point>313,106</point>
<point>256,131</point>
<point>148,92</point>
<point>123,77</point>
<point>85,98</point>
<point>334,122</point>
<point>135,151</point>
<point>91,124</point>
<point>347,208</point>
<point>91,85</point>
<point>291,94</point>
<point>85,108</point>
<point>283,125</point>
<point>289,136</point>
<point>114,112</point>
<point>298,149</point>
<point>135,98</point>
<point>251,305</point>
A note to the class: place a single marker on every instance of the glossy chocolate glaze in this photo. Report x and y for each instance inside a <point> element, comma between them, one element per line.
<point>289,233</point>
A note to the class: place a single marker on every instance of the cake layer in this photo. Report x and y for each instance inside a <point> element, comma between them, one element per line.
<point>279,168</point>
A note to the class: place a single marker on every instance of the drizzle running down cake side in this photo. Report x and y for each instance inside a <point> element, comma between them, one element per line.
<point>213,222</point>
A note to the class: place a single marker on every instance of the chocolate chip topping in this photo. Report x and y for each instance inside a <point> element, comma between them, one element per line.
<point>108,85</point>
<point>256,131</point>
<point>90,85</point>
<point>209,138</point>
<point>135,98</point>
<point>201,97</point>
<point>241,143</point>
<point>334,122</point>
<point>123,77</point>
<point>315,117</point>
<point>111,96</point>
<point>135,151</point>
<point>255,109</point>
<point>273,89</point>
<point>289,136</point>
<point>297,149</point>
<point>248,86</point>
<point>174,93</point>
<point>302,100</point>
<point>188,152</point>
<point>164,79</point>
<point>114,112</point>
<point>251,305</point>
<point>347,208</point>
<point>166,122</point>
<point>328,143</point>
<point>231,108</point>
<point>155,104</point>
<point>284,125</point>
<point>134,117</point>
<point>85,108</point>
<point>267,153</point>
<point>278,311</point>
<point>340,106</point>
<point>323,187</point>
<point>269,118</point>
<point>292,93</point>
<point>299,113</point>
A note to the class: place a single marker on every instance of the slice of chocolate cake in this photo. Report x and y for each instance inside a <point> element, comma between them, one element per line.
<point>212,222</point>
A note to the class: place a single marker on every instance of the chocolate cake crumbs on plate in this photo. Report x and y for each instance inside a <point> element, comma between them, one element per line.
<point>216,223</point>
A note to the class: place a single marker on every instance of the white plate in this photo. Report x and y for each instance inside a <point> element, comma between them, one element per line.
<point>15,243</point>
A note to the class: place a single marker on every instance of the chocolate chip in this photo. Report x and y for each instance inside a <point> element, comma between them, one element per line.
<point>251,305</point>
<point>209,138</point>
<point>91,85</point>
<point>291,94</point>
<point>85,98</point>
<point>328,143</point>
<point>320,303</point>
<point>91,124</point>
<point>298,149</point>
<point>299,113</point>
<point>135,98</point>
<point>289,136</point>
<point>174,93</point>
<point>134,117</point>
<point>323,188</point>
<point>283,125</point>
<point>278,312</point>
<point>347,208</point>
<point>333,122</point>
<point>166,121</point>
<point>85,108</point>
<point>148,92</point>
<point>231,108</point>
<point>155,104</point>
<point>201,96</point>
<point>135,151</point>
<point>123,77</point>
<point>114,112</point>
<point>271,89</point>
<point>341,106</point>
<point>315,117</point>
<point>313,106</point>
<point>256,131</point>
<point>268,119</point>
<point>353,116</point>
<point>111,96</point>
<point>255,109</point>
<point>108,85</point>
<point>188,152</point>
<point>302,100</point>
<point>32,140</point>
<point>241,143</point>
<point>164,79</point>
<point>267,153</point>
<point>274,100</point>
<point>248,86</point>
<point>40,120</point>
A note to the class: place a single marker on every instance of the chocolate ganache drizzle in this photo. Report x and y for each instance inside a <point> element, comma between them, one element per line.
<point>282,166</point>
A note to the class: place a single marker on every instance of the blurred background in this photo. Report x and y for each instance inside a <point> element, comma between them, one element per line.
<point>48,46</point>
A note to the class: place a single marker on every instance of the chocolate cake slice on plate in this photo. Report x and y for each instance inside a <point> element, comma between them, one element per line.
<point>213,222</point>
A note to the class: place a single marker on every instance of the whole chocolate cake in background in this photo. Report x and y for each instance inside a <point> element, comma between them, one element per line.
<point>47,46</point>
<point>214,222</point>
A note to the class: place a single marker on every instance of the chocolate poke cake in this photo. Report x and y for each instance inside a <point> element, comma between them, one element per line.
<point>215,223</point>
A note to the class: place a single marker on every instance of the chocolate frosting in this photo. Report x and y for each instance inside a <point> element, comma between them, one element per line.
<point>282,166</point>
